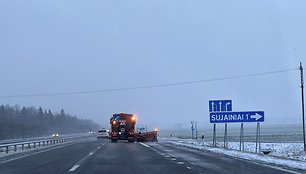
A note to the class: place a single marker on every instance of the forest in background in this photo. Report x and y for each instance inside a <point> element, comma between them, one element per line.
<point>22,122</point>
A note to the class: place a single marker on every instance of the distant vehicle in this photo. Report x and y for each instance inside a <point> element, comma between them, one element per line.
<point>123,127</point>
<point>55,135</point>
<point>102,133</point>
<point>91,132</point>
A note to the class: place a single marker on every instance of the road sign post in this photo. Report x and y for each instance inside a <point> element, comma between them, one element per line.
<point>221,112</point>
<point>220,106</point>
<point>241,147</point>
<point>214,136</point>
<point>225,136</point>
<point>258,143</point>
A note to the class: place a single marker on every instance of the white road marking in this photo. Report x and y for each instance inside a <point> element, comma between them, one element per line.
<point>83,159</point>
<point>189,168</point>
<point>144,144</point>
<point>74,168</point>
<point>173,159</point>
<point>180,162</point>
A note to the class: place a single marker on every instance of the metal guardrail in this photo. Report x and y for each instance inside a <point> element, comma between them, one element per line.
<point>29,144</point>
<point>6,148</point>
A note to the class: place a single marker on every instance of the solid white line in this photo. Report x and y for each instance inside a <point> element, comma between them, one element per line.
<point>144,144</point>
<point>74,168</point>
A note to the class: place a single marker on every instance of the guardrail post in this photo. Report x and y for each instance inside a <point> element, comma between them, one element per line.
<point>43,143</point>
<point>7,149</point>
<point>22,147</point>
<point>38,144</point>
<point>15,148</point>
<point>34,144</point>
<point>29,146</point>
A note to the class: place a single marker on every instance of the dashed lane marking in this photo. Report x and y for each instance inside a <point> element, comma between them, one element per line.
<point>74,168</point>
<point>189,168</point>
<point>181,163</point>
<point>173,159</point>
<point>144,144</point>
<point>83,159</point>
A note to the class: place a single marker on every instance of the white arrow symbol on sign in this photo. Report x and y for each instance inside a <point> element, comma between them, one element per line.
<point>227,104</point>
<point>256,116</point>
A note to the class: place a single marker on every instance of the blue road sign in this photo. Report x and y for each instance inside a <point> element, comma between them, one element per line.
<point>230,117</point>
<point>141,129</point>
<point>220,105</point>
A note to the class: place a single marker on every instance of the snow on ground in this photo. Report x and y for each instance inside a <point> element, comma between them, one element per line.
<point>286,154</point>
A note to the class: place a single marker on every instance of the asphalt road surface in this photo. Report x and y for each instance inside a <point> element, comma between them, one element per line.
<point>101,156</point>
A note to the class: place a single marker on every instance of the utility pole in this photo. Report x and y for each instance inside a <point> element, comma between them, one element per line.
<point>303,110</point>
<point>196,129</point>
<point>192,129</point>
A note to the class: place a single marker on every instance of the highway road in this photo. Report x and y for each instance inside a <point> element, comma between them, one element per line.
<point>100,156</point>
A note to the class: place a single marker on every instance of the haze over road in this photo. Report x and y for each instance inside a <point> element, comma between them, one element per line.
<point>59,47</point>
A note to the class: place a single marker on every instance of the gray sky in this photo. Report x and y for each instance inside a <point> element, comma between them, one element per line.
<point>73,45</point>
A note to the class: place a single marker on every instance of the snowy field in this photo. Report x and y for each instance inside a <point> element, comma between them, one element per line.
<point>287,154</point>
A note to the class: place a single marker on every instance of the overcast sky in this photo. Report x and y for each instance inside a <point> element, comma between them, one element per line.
<point>75,45</point>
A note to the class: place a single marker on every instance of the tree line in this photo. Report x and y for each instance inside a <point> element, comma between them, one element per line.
<point>17,122</point>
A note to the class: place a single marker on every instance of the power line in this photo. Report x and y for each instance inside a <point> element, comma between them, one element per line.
<point>146,86</point>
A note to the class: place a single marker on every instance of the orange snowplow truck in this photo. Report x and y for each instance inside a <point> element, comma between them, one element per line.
<point>147,136</point>
<point>123,127</point>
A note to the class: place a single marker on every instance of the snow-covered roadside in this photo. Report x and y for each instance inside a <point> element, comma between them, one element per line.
<point>278,155</point>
